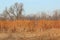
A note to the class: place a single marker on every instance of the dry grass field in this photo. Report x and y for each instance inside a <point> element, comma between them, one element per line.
<point>51,34</point>
<point>30,30</point>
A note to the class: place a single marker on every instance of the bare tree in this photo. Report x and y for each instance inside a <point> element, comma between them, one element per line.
<point>6,14</point>
<point>14,12</point>
<point>55,15</point>
<point>18,8</point>
<point>43,15</point>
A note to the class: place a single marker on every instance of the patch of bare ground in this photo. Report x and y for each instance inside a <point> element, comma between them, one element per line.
<point>50,34</point>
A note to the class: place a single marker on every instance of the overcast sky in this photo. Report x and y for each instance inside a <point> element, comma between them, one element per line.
<point>32,6</point>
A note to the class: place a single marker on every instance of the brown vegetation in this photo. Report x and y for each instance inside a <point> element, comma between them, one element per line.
<point>28,25</point>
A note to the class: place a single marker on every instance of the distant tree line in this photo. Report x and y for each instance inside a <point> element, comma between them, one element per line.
<point>15,13</point>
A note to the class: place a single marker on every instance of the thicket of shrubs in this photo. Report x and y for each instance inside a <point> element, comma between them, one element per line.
<point>15,13</point>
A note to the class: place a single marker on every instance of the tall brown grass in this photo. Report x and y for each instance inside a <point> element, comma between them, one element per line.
<point>28,25</point>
